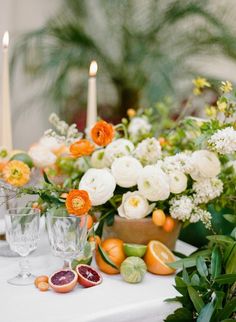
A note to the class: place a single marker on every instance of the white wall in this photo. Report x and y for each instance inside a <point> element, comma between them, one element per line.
<point>19,16</point>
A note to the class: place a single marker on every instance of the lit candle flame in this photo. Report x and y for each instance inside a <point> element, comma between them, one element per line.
<point>93,68</point>
<point>5,39</point>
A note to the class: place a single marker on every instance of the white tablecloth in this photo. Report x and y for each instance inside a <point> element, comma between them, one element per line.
<point>112,301</point>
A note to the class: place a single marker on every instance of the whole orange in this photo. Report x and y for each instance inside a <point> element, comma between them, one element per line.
<point>158,217</point>
<point>113,247</point>
<point>169,224</point>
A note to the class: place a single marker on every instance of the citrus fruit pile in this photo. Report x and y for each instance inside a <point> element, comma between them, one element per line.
<point>65,280</point>
<point>160,219</point>
<point>113,256</point>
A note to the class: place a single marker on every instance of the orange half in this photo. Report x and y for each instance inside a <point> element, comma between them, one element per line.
<point>156,258</point>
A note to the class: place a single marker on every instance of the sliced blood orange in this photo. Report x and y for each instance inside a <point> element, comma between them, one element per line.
<point>156,258</point>
<point>88,276</point>
<point>63,281</point>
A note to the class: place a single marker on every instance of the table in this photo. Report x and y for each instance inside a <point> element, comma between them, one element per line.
<point>114,300</point>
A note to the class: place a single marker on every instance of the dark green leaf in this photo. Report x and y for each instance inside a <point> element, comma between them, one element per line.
<point>231,262</point>
<point>230,218</point>
<point>229,308</point>
<point>195,298</point>
<point>195,280</point>
<point>178,254</point>
<point>206,313</point>
<point>220,239</point>
<point>233,233</point>
<point>46,178</point>
<point>180,315</point>
<point>189,261</point>
<point>99,229</point>
<point>226,279</point>
<point>219,299</point>
<point>185,276</point>
<point>228,250</point>
<point>106,258</point>
<point>201,267</point>
<point>216,262</point>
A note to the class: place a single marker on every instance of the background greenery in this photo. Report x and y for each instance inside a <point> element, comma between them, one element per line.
<point>144,49</point>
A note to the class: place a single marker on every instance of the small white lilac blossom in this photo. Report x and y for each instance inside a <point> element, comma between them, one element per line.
<point>179,162</point>
<point>181,207</point>
<point>138,127</point>
<point>50,143</point>
<point>148,151</point>
<point>224,141</point>
<point>126,171</point>
<point>207,189</point>
<point>117,149</point>
<point>199,214</point>
<point>205,165</point>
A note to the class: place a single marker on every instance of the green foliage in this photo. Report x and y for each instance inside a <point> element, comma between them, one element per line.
<point>142,48</point>
<point>207,283</point>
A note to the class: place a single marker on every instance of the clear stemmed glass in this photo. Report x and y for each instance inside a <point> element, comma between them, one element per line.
<point>67,236</point>
<point>22,234</point>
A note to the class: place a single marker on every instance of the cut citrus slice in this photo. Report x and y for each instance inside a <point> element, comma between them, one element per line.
<point>63,281</point>
<point>88,276</point>
<point>136,250</point>
<point>156,258</point>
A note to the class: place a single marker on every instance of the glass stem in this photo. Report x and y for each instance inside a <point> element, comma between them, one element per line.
<point>66,263</point>
<point>24,268</point>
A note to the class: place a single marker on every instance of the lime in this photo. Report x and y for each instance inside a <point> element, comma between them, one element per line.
<point>133,269</point>
<point>135,250</point>
<point>24,157</point>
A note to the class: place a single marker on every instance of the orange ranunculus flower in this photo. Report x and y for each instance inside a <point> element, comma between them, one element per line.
<point>78,202</point>
<point>102,133</point>
<point>81,148</point>
<point>16,173</point>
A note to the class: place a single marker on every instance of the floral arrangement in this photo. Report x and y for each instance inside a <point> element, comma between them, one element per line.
<point>127,171</point>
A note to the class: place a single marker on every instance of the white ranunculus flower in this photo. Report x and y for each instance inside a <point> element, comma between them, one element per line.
<point>100,185</point>
<point>153,183</point>
<point>138,127</point>
<point>178,181</point>
<point>117,149</point>
<point>98,159</point>
<point>148,151</point>
<point>42,157</point>
<point>126,170</point>
<point>50,143</point>
<point>134,206</point>
<point>205,164</point>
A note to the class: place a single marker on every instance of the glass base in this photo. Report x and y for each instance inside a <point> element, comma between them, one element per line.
<point>22,279</point>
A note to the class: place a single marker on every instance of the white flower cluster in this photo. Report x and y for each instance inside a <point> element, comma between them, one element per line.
<point>66,134</point>
<point>224,141</point>
<point>183,208</point>
<point>138,127</point>
<point>179,162</point>
<point>148,151</point>
<point>207,189</point>
<point>202,215</point>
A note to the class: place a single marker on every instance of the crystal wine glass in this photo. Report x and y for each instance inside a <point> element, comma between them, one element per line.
<point>22,234</point>
<point>67,236</point>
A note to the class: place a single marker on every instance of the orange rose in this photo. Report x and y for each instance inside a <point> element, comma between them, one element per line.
<point>102,133</point>
<point>81,148</point>
<point>78,202</point>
